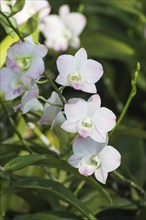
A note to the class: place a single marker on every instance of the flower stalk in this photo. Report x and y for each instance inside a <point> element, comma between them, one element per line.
<point>55,88</point>
<point>131,96</point>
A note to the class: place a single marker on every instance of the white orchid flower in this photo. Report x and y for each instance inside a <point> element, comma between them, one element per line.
<point>31,7</point>
<point>63,30</point>
<point>52,115</point>
<point>88,119</point>
<point>79,72</point>
<point>91,157</point>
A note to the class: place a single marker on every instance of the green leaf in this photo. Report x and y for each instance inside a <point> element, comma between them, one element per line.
<point>104,43</point>
<point>23,161</point>
<point>50,187</point>
<point>18,6</point>
<point>7,26</point>
<point>30,26</point>
<point>54,215</point>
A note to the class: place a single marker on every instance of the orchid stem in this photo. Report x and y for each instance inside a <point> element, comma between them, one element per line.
<point>55,88</point>
<point>132,94</point>
<point>45,100</point>
<point>42,81</point>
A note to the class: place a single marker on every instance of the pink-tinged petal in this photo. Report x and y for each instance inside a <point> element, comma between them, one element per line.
<point>77,85</point>
<point>39,51</point>
<point>80,57</point>
<point>32,105</point>
<point>6,77</point>
<point>101,175</point>
<point>74,161</point>
<point>75,22</point>
<point>98,136</point>
<point>76,111</point>
<point>84,147</point>
<point>70,127</point>
<point>66,64</point>
<point>104,119</point>
<point>36,69</point>
<point>94,103</point>
<point>86,169</point>
<point>84,132</point>
<point>110,159</point>
<point>62,80</point>
<point>89,87</point>
<point>12,65</point>
<point>92,71</point>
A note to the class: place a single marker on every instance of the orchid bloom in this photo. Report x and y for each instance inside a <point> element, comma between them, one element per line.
<point>24,64</point>
<point>26,58</point>
<point>91,157</point>
<point>88,119</point>
<point>29,101</point>
<point>63,31</point>
<point>79,72</point>
<point>51,113</point>
<point>30,8</point>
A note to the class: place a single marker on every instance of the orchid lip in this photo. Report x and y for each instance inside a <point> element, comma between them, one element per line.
<point>24,63</point>
<point>86,123</point>
<point>75,77</point>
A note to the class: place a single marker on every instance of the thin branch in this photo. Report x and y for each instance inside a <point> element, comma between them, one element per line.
<point>12,26</point>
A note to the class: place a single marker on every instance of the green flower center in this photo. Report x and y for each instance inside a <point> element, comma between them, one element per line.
<point>75,77</point>
<point>87,123</point>
<point>24,63</point>
<point>95,161</point>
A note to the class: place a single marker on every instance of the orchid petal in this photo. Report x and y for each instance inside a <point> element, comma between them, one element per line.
<point>6,77</point>
<point>76,22</point>
<point>74,161</point>
<point>92,71</point>
<point>84,146</point>
<point>65,64</point>
<point>62,80</point>
<point>94,103</point>
<point>70,127</point>
<point>98,136</point>
<point>110,159</point>
<point>101,175</point>
<point>105,119</point>
<point>75,111</point>
<point>80,57</point>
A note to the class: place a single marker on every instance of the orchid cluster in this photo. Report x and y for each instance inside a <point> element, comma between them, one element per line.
<point>60,31</point>
<point>87,119</point>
